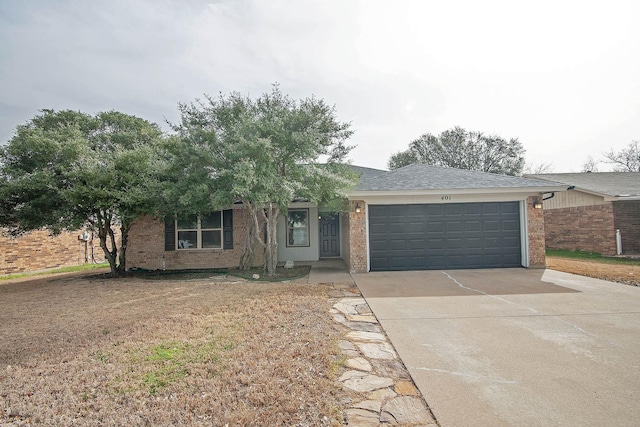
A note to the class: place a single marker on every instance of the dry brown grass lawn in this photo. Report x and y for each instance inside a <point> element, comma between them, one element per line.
<point>622,273</point>
<point>81,351</point>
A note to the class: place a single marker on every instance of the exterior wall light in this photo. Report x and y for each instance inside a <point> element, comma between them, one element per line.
<point>358,209</point>
<point>537,204</point>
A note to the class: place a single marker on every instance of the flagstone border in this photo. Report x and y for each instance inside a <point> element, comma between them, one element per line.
<point>387,394</point>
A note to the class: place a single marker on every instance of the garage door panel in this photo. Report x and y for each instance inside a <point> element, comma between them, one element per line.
<point>455,244</point>
<point>444,236</point>
<point>415,227</point>
<point>436,244</point>
<point>472,209</point>
<point>473,226</point>
<point>415,262</point>
<point>435,227</point>
<point>492,225</point>
<point>510,208</point>
<point>398,263</point>
<point>377,229</point>
<point>418,211</point>
<point>454,210</point>
<point>398,245</point>
<point>454,227</point>
<point>510,226</point>
<point>396,211</point>
<point>419,244</point>
<point>491,208</point>
<point>435,211</point>
<point>397,228</point>
<point>474,243</point>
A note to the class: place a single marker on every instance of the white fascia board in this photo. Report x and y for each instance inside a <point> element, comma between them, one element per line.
<point>359,194</point>
<point>605,196</point>
<point>397,197</point>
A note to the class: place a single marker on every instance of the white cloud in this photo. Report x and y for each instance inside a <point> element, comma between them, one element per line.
<point>563,76</point>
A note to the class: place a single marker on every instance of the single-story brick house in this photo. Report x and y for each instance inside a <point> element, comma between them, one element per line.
<point>587,216</point>
<point>413,218</point>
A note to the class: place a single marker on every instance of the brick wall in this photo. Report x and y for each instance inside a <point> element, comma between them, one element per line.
<point>627,219</point>
<point>357,237</point>
<point>536,234</point>
<point>346,238</point>
<point>146,248</point>
<point>38,250</point>
<point>585,228</point>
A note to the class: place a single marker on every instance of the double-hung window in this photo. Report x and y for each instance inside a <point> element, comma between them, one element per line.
<point>200,232</point>
<point>298,227</point>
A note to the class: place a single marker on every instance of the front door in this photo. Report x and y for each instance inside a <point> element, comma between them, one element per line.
<point>329,235</point>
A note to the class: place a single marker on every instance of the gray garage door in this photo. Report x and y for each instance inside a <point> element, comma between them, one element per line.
<point>444,236</point>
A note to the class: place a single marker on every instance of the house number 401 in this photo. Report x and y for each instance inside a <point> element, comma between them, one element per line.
<point>445,198</point>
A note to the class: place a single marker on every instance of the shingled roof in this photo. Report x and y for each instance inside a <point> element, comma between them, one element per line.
<point>615,184</point>
<point>426,177</point>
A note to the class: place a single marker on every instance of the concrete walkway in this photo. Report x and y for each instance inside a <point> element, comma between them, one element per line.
<point>514,347</point>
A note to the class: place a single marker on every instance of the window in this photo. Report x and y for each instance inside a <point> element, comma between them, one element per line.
<point>298,227</point>
<point>200,232</point>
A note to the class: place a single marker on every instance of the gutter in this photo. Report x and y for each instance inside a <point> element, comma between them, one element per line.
<point>442,191</point>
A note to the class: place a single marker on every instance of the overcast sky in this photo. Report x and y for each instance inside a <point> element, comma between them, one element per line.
<point>562,76</point>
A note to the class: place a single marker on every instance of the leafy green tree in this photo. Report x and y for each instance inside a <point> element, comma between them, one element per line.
<point>263,153</point>
<point>458,148</point>
<point>64,170</point>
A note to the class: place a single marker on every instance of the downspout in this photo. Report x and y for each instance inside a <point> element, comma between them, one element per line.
<point>553,194</point>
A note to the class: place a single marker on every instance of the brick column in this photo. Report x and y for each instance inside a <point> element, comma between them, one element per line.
<point>357,245</point>
<point>535,229</point>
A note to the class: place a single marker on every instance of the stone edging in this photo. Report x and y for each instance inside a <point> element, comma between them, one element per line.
<point>376,373</point>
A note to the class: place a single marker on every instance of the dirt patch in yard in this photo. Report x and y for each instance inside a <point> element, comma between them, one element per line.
<point>81,351</point>
<point>622,273</point>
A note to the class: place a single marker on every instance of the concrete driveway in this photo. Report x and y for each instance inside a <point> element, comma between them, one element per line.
<point>514,346</point>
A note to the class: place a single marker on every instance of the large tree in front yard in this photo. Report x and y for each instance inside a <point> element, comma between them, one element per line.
<point>263,153</point>
<point>458,148</point>
<point>64,170</point>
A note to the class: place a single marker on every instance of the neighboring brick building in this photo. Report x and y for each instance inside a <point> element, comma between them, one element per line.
<point>587,217</point>
<point>414,218</point>
<point>38,250</point>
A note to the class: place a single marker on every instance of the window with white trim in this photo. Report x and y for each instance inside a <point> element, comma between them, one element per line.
<point>200,231</point>
<point>298,227</point>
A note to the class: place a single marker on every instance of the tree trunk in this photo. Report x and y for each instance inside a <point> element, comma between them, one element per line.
<point>271,248</point>
<point>249,252</point>
<point>124,235</point>
<point>104,231</point>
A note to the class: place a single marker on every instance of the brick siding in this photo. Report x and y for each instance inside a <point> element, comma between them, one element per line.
<point>585,228</point>
<point>38,250</point>
<point>146,248</point>
<point>357,248</point>
<point>346,238</point>
<point>627,219</point>
<point>536,233</point>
